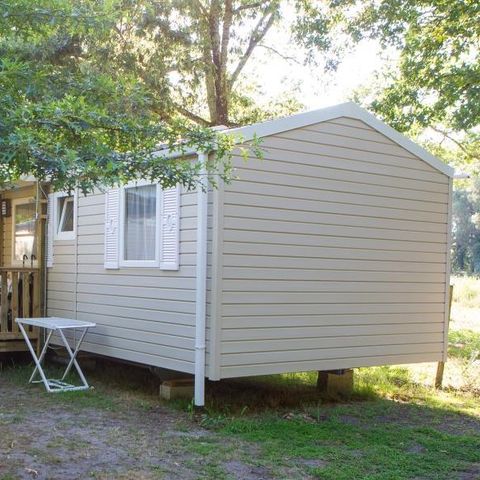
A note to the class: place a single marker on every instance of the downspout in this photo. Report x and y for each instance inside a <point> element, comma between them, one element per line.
<point>201,282</point>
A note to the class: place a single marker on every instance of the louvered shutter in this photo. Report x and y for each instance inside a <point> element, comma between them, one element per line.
<point>112,213</point>
<point>50,230</point>
<point>170,229</point>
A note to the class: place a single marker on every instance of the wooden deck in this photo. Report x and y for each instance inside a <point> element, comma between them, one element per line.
<point>20,296</point>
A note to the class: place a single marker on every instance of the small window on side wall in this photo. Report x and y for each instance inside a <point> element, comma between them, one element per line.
<point>65,216</point>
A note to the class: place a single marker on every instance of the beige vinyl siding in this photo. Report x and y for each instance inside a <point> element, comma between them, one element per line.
<point>144,315</point>
<point>334,249</point>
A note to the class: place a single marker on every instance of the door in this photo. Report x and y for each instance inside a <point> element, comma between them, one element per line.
<point>24,232</point>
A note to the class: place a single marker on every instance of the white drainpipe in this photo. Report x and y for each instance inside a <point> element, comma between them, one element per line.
<point>201,283</point>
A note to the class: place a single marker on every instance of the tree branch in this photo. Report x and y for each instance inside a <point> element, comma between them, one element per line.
<point>227,23</point>
<point>192,116</point>
<point>280,54</point>
<point>258,33</point>
<point>250,5</point>
<point>449,137</point>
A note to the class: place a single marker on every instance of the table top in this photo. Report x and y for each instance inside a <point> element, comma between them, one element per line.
<point>55,323</point>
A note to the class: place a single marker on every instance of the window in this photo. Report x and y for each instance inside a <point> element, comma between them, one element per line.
<point>24,219</point>
<point>65,216</point>
<point>139,225</point>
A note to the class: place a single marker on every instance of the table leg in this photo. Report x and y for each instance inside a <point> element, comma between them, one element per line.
<point>73,355</point>
<point>35,358</point>
<point>42,354</point>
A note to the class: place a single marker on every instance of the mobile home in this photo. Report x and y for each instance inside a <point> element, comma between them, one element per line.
<point>330,252</point>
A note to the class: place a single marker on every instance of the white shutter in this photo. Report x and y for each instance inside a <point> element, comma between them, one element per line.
<point>170,229</point>
<point>50,229</point>
<point>112,212</point>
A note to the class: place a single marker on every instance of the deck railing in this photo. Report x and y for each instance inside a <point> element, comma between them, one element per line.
<point>19,298</point>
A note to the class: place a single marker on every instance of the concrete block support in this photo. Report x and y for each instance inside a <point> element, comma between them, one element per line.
<point>335,383</point>
<point>180,388</point>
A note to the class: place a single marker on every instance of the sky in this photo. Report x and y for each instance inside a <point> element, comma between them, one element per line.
<point>316,88</point>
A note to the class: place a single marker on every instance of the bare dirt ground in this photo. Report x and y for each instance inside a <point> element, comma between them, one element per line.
<point>78,436</point>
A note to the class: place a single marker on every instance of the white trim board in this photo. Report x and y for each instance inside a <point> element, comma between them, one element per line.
<point>348,109</point>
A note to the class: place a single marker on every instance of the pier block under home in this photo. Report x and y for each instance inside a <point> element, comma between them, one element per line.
<point>331,252</point>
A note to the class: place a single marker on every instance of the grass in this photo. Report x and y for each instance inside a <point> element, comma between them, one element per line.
<point>394,426</point>
<point>466,291</point>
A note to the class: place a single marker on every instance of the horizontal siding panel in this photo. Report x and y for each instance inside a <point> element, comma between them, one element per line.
<point>288,285</point>
<point>332,230</point>
<point>336,363</point>
<point>61,286</point>
<point>240,334</point>
<point>54,276</point>
<point>280,238</point>
<point>270,162</point>
<point>137,292</point>
<point>306,355</point>
<point>320,218</point>
<point>141,281</point>
<point>55,303</point>
<point>302,205</point>
<point>231,260</point>
<point>353,340</point>
<point>315,183</point>
<point>362,198</point>
<point>151,342</point>
<point>132,313</point>
<point>332,308</point>
<point>149,326</point>
<point>329,275</point>
<point>96,208</point>
<point>303,298</point>
<point>140,303</point>
<point>303,251</point>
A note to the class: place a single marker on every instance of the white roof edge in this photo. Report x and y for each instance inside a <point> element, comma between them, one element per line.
<point>348,109</point>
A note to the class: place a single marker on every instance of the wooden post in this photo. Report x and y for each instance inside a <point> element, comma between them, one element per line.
<point>4,303</point>
<point>441,365</point>
<point>2,236</point>
<point>15,280</point>
<point>39,283</point>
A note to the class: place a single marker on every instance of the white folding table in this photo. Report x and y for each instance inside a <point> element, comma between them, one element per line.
<point>58,325</point>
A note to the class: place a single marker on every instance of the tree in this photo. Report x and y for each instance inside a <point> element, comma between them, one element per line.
<point>89,89</point>
<point>65,119</point>
<point>191,54</point>
<point>466,229</point>
<point>436,82</point>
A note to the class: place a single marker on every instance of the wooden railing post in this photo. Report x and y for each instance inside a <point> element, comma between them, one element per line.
<point>14,305</point>
<point>4,303</point>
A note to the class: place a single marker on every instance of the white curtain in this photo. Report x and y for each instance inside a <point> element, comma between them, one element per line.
<point>140,222</point>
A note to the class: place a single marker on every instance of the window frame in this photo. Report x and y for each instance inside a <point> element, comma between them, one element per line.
<point>122,262</point>
<point>15,203</point>
<point>58,215</point>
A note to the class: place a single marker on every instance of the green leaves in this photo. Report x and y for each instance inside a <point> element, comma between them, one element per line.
<point>66,118</point>
<point>437,81</point>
